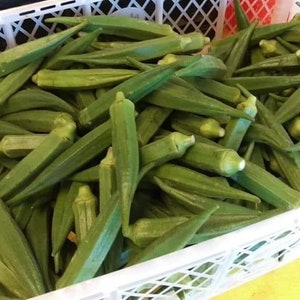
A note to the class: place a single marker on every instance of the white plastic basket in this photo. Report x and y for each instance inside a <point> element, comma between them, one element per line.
<point>215,265</point>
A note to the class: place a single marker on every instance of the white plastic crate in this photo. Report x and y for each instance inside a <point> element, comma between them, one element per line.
<point>215,265</point>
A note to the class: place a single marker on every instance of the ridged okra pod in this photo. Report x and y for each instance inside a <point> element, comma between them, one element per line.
<point>85,210</point>
<point>19,56</point>
<point>195,182</point>
<point>8,128</point>
<point>219,160</point>
<point>236,129</point>
<point>126,151</point>
<point>82,151</point>
<point>268,187</point>
<point>182,98</point>
<point>149,121</point>
<point>92,251</point>
<point>14,146</point>
<point>17,262</point>
<point>174,239</point>
<point>196,203</point>
<point>146,230</point>
<point>165,149</point>
<point>12,82</point>
<point>207,127</point>
<point>76,46</point>
<point>134,88</point>
<point>36,120</point>
<point>79,79</point>
<point>272,47</point>
<point>33,98</point>
<point>107,179</point>
<point>133,28</point>
<point>59,139</point>
<point>143,50</point>
<point>63,217</point>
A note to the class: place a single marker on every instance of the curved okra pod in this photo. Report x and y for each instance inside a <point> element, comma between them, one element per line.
<point>241,17</point>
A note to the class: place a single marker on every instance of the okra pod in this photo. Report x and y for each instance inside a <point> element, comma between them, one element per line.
<point>196,182</point>
<point>12,82</point>
<point>14,146</point>
<point>123,26</point>
<point>73,79</point>
<point>85,210</point>
<point>54,144</point>
<point>272,47</point>
<point>8,128</point>
<point>82,151</point>
<point>126,151</point>
<point>30,98</point>
<point>134,88</point>
<point>240,15</point>
<point>23,54</point>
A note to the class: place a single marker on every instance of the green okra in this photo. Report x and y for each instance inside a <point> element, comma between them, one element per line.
<point>12,82</point>
<point>146,230</point>
<point>38,235</point>
<point>289,108</point>
<point>17,257</point>
<point>8,128</point>
<point>237,55</point>
<point>267,187</point>
<point>36,120</point>
<point>264,84</point>
<point>14,146</point>
<point>23,54</point>
<point>216,89</point>
<point>82,151</point>
<point>185,99</point>
<point>272,47</point>
<point>165,149</point>
<point>85,210</point>
<point>84,97</point>
<point>196,182</point>
<point>134,88</point>
<point>63,217</point>
<point>86,175</point>
<point>123,26</point>
<point>196,203</point>
<point>79,79</point>
<point>288,45</point>
<point>91,252</point>
<point>143,50</point>
<point>207,127</point>
<point>215,159</point>
<point>100,45</point>
<point>106,175</point>
<point>126,152</point>
<point>77,46</point>
<point>174,239</point>
<point>149,121</point>
<point>59,139</point>
<point>291,35</point>
<point>280,62</point>
<point>236,129</point>
<point>33,98</point>
<point>206,66</point>
<point>278,97</point>
<point>240,15</point>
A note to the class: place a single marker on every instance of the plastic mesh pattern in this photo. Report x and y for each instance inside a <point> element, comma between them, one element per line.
<point>196,15</point>
<point>261,10</point>
<point>187,283</point>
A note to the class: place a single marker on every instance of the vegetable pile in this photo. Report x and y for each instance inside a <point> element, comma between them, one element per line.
<point>122,141</point>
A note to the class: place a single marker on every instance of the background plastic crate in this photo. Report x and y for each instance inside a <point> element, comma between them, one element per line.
<point>209,268</point>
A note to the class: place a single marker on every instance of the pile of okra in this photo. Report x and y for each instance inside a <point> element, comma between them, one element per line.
<point>122,141</point>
